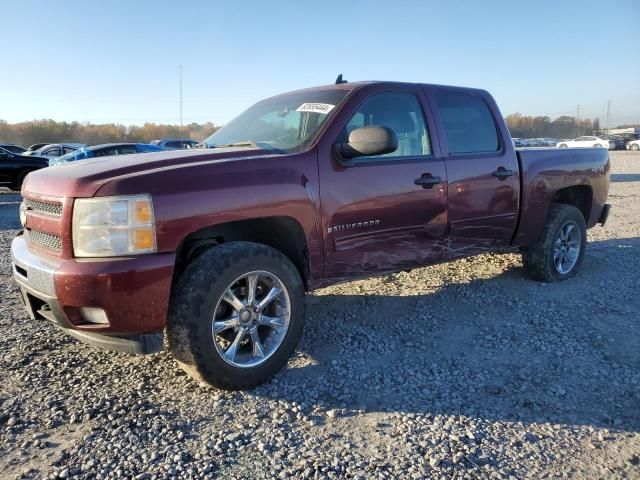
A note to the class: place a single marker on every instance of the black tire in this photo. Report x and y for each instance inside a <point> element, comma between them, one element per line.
<point>598,145</point>
<point>17,185</point>
<point>538,259</point>
<point>635,147</point>
<point>194,300</point>
<point>562,145</point>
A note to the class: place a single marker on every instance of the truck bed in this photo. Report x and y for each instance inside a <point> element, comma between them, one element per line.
<point>547,171</point>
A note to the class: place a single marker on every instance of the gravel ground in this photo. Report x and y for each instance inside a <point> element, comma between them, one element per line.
<point>462,370</point>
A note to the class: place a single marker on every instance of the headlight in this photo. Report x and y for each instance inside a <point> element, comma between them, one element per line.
<point>113,226</point>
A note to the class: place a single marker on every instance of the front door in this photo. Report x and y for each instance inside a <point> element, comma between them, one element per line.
<point>378,213</point>
<point>483,175</point>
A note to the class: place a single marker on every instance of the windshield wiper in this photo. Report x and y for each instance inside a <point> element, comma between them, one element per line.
<point>250,143</point>
<point>246,143</point>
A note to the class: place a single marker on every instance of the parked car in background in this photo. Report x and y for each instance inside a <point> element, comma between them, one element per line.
<point>547,142</point>
<point>517,142</point>
<point>13,148</point>
<point>34,147</point>
<point>629,137</point>
<point>105,150</point>
<point>14,168</point>
<point>633,145</point>
<point>54,150</point>
<point>588,142</point>
<point>618,140</point>
<point>174,143</point>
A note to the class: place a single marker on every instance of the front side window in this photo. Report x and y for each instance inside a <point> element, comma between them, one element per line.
<point>286,123</point>
<point>126,149</point>
<point>468,124</point>
<point>106,152</point>
<point>399,111</point>
<point>73,155</point>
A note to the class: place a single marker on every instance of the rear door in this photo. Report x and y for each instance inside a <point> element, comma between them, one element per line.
<point>482,169</point>
<point>375,216</point>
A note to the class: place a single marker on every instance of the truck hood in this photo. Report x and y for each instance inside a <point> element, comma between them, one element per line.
<point>83,178</point>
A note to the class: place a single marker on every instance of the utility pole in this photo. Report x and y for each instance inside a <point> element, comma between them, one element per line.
<point>181,145</point>
<point>608,115</point>
<point>578,119</point>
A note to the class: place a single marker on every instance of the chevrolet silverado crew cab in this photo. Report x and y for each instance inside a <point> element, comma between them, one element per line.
<point>216,246</point>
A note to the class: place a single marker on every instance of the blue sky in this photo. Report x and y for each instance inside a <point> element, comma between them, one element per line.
<point>117,61</point>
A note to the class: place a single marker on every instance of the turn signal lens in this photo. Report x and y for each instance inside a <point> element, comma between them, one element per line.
<point>142,211</point>
<point>142,239</point>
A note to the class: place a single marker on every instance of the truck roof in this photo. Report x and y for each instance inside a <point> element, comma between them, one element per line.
<point>361,84</point>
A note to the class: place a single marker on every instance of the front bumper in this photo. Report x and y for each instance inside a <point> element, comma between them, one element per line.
<point>133,292</point>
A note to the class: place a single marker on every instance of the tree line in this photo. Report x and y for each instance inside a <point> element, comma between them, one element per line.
<point>522,126</point>
<point>50,131</point>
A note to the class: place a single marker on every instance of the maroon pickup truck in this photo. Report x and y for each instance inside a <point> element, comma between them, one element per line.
<point>217,245</point>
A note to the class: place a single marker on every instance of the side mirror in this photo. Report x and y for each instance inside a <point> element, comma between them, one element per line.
<point>368,142</point>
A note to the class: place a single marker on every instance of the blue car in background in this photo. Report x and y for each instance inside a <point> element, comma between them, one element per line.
<point>174,143</point>
<point>105,150</point>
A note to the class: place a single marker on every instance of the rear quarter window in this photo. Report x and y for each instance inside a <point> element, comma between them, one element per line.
<point>468,124</point>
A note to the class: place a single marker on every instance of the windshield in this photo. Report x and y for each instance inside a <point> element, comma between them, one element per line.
<point>286,123</point>
<point>79,154</point>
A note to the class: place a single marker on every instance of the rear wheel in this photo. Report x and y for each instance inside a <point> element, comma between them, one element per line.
<point>236,315</point>
<point>635,147</point>
<point>558,252</point>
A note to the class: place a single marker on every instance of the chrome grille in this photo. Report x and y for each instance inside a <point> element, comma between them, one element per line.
<point>47,208</point>
<point>45,240</point>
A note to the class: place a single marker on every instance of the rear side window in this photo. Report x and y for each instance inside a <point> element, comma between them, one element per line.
<point>468,124</point>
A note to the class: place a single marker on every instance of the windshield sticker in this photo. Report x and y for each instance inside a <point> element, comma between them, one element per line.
<point>323,108</point>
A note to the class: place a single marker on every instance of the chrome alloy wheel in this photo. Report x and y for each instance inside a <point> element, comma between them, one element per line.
<point>566,248</point>
<point>251,319</point>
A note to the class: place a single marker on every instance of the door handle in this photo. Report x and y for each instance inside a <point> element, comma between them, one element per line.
<point>502,173</point>
<point>427,180</point>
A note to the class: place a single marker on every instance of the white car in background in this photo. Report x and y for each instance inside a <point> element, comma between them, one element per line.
<point>633,145</point>
<point>587,142</point>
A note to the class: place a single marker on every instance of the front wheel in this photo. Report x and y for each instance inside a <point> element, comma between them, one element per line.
<point>598,145</point>
<point>559,251</point>
<point>236,315</point>
<point>635,147</point>
<point>562,145</point>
